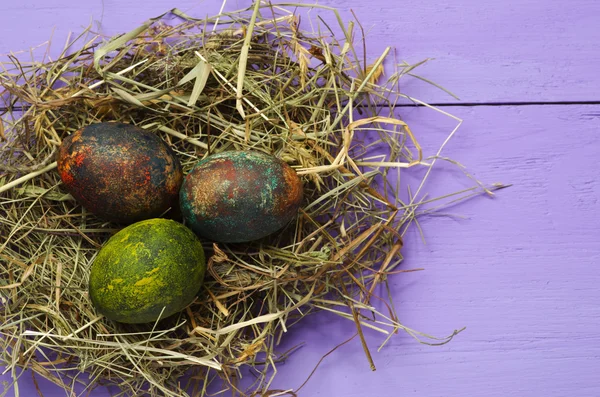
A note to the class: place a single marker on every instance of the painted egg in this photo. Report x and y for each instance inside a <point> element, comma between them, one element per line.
<point>149,270</point>
<point>240,196</point>
<point>120,172</point>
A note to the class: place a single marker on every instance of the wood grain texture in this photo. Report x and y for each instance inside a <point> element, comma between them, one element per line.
<point>520,271</point>
<point>484,51</point>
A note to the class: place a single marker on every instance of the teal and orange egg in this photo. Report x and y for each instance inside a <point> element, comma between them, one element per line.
<point>120,172</point>
<point>240,196</point>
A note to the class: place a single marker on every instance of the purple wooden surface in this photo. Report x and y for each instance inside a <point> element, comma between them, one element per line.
<point>485,51</point>
<point>520,272</point>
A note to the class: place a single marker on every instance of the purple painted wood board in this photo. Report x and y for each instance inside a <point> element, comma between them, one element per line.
<point>485,51</point>
<point>520,270</point>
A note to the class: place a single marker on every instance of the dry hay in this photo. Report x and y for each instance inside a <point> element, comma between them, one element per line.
<point>257,81</point>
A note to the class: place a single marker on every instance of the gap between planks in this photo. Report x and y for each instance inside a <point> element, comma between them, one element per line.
<point>445,104</point>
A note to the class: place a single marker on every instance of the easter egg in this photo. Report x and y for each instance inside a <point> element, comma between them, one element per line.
<point>150,269</point>
<point>120,172</point>
<point>240,196</point>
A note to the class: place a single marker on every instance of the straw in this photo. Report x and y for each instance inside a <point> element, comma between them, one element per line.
<point>249,79</point>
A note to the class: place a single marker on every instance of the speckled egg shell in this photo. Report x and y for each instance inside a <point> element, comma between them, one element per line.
<point>150,269</point>
<point>120,172</point>
<point>240,196</point>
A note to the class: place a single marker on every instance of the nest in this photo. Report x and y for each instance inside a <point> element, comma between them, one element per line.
<point>251,79</point>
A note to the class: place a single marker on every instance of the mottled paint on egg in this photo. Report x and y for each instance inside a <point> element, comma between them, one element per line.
<point>150,269</point>
<point>120,172</point>
<point>240,196</point>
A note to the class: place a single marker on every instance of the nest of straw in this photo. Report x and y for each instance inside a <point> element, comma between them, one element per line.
<point>251,79</point>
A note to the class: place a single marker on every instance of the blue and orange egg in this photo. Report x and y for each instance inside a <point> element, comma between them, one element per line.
<point>120,172</point>
<point>240,196</point>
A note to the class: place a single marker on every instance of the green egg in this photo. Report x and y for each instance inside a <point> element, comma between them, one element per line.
<point>148,268</point>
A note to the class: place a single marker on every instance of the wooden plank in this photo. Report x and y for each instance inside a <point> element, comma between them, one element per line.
<point>520,272</point>
<point>485,51</point>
